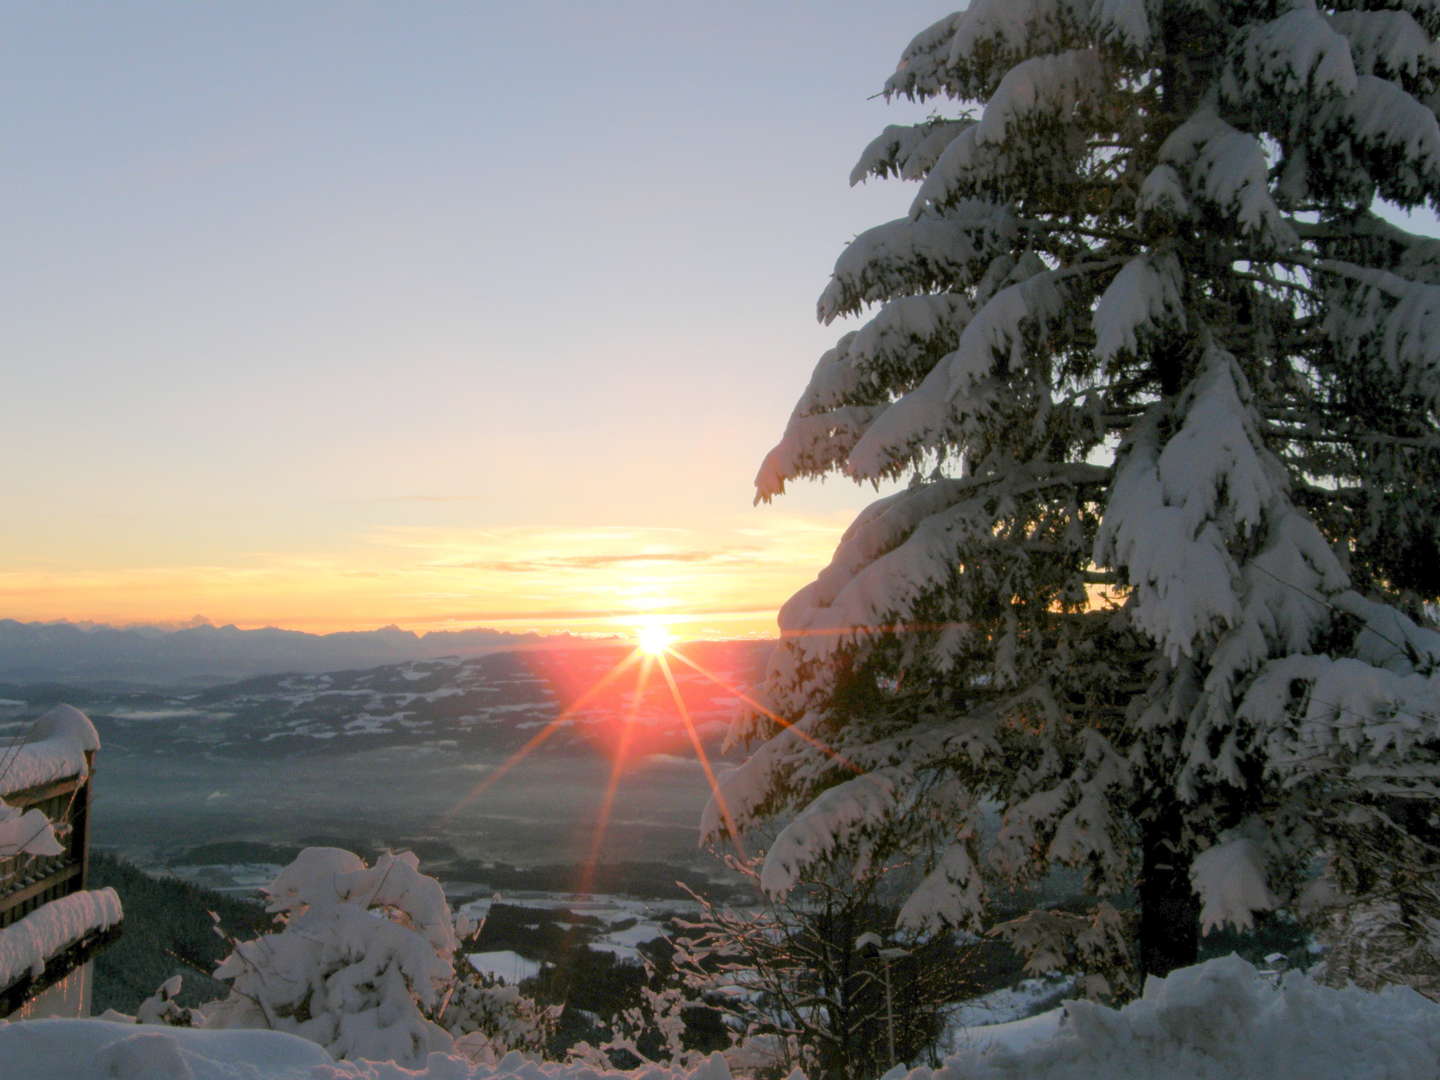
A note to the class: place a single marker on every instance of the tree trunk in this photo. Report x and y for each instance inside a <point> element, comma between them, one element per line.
<point>1169,908</point>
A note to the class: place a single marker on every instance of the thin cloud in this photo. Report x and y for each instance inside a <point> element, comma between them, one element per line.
<point>431,498</point>
<point>592,562</point>
<point>615,614</point>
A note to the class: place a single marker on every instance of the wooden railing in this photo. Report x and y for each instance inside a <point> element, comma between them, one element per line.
<point>28,881</point>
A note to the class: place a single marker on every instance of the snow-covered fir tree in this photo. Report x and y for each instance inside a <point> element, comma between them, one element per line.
<point>361,955</point>
<point>1163,386</point>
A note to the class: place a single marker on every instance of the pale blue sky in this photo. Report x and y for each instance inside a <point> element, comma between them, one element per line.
<point>275,266</point>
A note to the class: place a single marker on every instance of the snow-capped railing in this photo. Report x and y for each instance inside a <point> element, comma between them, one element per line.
<point>49,772</point>
<point>49,942</point>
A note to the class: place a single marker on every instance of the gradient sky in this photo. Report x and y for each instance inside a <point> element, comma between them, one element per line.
<point>330,315</point>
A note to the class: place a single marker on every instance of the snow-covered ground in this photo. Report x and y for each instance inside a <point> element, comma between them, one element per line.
<point>614,912</point>
<point>1005,1016</point>
<point>1217,1021</point>
<point>243,879</point>
<point>619,936</point>
<point>504,964</point>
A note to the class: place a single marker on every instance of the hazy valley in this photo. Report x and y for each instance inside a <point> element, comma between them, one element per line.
<point>393,755</point>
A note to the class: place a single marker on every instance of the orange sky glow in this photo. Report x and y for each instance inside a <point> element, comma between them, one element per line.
<point>332,332</point>
<point>596,580</point>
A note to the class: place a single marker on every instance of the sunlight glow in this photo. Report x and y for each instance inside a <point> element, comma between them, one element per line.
<point>653,651</point>
<point>653,639</point>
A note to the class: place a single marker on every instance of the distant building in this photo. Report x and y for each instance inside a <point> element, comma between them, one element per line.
<point>51,924</point>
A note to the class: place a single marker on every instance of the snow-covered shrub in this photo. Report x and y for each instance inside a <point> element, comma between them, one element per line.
<point>1164,387</point>
<point>360,955</point>
<point>656,1031</point>
<point>813,979</point>
<point>162,1007</point>
<point>490,1018</point>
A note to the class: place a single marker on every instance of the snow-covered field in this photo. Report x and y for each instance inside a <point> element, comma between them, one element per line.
<point>627,923</point>
<point>1217,1021</point>
<point>504,964</point>
<point>1003,1015</point>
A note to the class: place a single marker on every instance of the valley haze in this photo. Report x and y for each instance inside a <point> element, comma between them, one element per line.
<point>384,754</point>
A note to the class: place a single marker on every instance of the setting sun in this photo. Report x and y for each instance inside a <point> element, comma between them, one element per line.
<point>653,639</point>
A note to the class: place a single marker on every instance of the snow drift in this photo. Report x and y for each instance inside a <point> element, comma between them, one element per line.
<point>1220,1020</point>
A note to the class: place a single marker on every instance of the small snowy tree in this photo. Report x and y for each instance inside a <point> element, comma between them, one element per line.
<point>361,953</point>
<point>797,980</point>
<point>163,1006</point>
<point>1163,388</point>
<point>490,1018</point>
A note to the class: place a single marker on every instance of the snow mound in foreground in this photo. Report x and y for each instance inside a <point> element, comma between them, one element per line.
<point>1216,1021</point>
<point>102,1050</point>
<point>1222,1021</point>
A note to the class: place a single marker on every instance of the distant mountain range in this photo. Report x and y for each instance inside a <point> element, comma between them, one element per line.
<point>67,652</point>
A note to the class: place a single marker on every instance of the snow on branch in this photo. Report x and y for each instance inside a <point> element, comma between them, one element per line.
<point>1175,507</point>
<point>1298,54</point>
<point>893,350</point>
<point>1122,22</point>
<point>1034,95</point>
<point>323,877</point>
<point>963,55</point>
<point>1388,133</point>
<point>952,894</point>
<point>812,446</point>
<point>934,253</point>
<point>360,951</point>
<point>1350,722</point>
<point>1389,638</point>
<point>831,819</point>
<point>1385,320</point>
<point>1285,591</point>
<point>1390,44</point>
<point>922,71</point>
<point>1227,170</point>
<point>908,151</point>
<point>1051,86</point>
<point>1162,194</point>
<point>899,435</point>
<point>1230,879</point>
<point>906,330</point>
<point>906,546</point>
<point>1001,338</point>
<point>745,792</point>
<point>1142,299</point>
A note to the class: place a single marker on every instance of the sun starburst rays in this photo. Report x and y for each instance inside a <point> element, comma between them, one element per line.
<point>653,649</point>
<point>710,778</point>
<point>769,713</point>
<point>617,769</point>
<point>541,736</point>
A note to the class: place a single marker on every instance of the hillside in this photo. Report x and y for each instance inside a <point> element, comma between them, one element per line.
<point>167,931</point>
